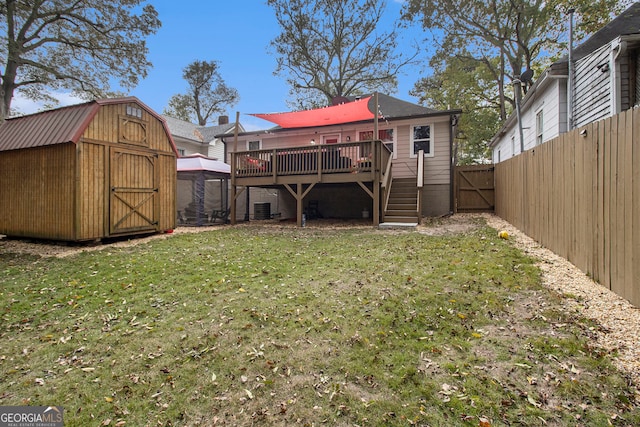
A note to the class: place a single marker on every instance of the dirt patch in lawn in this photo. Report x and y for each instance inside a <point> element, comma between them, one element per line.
<point>431,226</point>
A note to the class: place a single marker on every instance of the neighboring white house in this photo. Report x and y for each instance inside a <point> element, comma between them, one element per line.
<point>606,70</point>
<point>194,139</point>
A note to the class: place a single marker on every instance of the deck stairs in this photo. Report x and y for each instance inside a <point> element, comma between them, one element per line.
<point>402,209</point>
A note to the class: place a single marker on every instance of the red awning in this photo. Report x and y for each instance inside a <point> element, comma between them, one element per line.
<point>354,111</point>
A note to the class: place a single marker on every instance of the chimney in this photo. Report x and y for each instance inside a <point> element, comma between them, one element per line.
<point>223,120</point>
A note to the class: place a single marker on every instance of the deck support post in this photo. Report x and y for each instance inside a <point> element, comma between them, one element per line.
<point>375,195</point>
<point>299,196</point>
<point>234,197</point>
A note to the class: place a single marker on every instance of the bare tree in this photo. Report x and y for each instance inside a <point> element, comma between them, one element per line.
<point>514,34</point>
<point>78,45</point>
<point>207,94</point>
<point>333,48</point>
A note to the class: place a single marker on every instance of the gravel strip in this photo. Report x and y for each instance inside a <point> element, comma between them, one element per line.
<point>618,318</point>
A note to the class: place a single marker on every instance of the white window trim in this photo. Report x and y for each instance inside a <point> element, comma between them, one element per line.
<point>394,141</point>
<point>254,140</point>
<point>539,130</point>
<point>338,136</point>
<point>431,137</point>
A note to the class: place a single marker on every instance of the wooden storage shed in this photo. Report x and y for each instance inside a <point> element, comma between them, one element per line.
<point>100,169</point>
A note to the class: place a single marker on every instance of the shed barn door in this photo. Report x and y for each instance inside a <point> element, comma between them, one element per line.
<point>133,192</point>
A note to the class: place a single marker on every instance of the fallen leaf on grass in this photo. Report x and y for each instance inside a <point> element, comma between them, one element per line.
<point>532,401</point>
<point>249,394</point>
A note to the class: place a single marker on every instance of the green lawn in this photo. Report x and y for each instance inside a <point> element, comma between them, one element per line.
<point>288,326</point>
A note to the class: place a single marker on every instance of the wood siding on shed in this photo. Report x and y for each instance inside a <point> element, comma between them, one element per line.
<point>92,191</point>
<point>142,138</point>
<point>65,191</point>
<point>37,192</point>
<point>167,182</point>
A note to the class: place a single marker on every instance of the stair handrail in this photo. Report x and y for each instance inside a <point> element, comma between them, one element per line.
<point>420,184</point>
<point>387,193</point>
<point>420,177</point>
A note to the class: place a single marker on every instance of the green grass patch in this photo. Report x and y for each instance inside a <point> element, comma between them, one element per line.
<point>270,326</point>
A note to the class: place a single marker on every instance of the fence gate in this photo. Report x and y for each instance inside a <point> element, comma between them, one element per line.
<point>133,191</point>
<point>474,188</point>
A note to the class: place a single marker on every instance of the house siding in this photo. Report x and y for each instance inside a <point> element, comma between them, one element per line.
<point>551,99</point>
<point>347,200</point>
<point>593,91</point>
<point>216,150</point>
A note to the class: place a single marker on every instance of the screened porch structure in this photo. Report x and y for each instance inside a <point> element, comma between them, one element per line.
<point>202,190</point>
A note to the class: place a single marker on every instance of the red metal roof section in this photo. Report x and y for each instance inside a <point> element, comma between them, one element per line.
<point>47,128</point>
<point>62,125</point>
<point>354,111</point>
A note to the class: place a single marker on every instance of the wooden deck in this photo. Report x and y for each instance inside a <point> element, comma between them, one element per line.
<point>298,169</point>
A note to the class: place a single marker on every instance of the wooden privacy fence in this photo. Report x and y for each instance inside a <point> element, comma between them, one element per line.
<point>579,196</point>
<point>474,188</point>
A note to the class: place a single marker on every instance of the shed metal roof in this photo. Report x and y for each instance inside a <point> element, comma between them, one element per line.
<point>59,126</point>
<point>47,128</point>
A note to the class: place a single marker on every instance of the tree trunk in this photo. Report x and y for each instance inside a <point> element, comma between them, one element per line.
<point>503,109</point>
<point>6,90</point>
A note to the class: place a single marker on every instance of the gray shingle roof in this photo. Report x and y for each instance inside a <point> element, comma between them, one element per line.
<point>210,132</point>
<point>394,108</point>
<point>196,133</point>
<point>185,130</point>
<point>628,22</point>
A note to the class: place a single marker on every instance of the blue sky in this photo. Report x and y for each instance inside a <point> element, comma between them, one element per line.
<point>237,34</point>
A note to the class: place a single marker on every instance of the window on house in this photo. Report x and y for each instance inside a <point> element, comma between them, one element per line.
<point>539,127</point>
<point>421,139</point>
<point>384,135</point>
<point>253,145</point>
<point>134,111</point>
<point>181,152</point>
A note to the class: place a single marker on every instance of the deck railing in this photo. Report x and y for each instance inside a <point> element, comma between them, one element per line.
<point>348,157</point>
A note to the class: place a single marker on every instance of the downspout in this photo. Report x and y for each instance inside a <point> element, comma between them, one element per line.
<point>616,89</point>
<point>517,88</point>
<point>452,124</point>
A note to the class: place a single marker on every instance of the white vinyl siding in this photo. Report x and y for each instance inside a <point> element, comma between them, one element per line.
<point>592,99</point>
